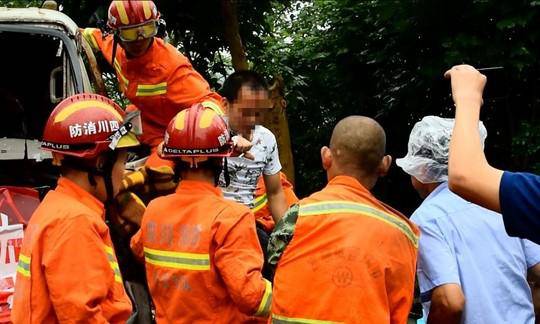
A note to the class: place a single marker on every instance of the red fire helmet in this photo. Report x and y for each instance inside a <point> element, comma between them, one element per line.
<point>195,134</point>
<point>131,13</point>
<point>85,126</point>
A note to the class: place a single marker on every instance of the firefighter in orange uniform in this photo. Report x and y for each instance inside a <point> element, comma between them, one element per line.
<point>261,210</point>
<point>152,74</point>
<point>203,258</point>
<point>342,255</point>
<point>67,269</point>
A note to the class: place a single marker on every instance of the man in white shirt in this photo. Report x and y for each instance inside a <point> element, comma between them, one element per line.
<point>247,99</point>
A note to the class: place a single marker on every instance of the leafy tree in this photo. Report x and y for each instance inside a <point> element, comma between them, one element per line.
<point>385,59</point>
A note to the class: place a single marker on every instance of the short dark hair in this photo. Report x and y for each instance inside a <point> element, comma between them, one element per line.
<point>214,164</point>
<point>235,81</point>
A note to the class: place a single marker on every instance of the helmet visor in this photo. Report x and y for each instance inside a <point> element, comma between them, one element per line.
<point>133,33</point>
<point>128,140</point>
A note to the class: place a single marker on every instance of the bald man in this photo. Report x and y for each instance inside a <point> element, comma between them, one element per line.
<point>341,255</point>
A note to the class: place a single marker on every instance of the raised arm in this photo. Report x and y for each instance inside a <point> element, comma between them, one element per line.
<point>470,175</point>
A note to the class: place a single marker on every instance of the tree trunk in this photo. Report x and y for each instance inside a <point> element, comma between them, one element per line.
<point>279,125</point>
<point>232,35</point>
<point>276,119</point>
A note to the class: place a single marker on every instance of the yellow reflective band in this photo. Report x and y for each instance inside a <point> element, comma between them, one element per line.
<point>23,271</point>
<point>75,107</point>
<point>286,320</point>
<point>88,34</point>
<point>114,265</point>
<point>24,265</point>
<point>119,71</point>
<point>116,269</point>
<point>109,250</point>
<point>177,260</point>
<point>132,179</point>
<point>266,302</point>
<point>122,12</point>
<point>338,207</point>
<point>206,118</point>
<point>147,11</point>
<point>145,90</point>
<point>259,203</point>
<point>128,140</point>
<point>214,106</point>
<point>24,258</point>
<point>180,121</point>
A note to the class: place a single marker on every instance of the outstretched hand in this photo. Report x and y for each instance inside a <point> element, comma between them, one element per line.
<point>242,147</point>
<point>467,83</point>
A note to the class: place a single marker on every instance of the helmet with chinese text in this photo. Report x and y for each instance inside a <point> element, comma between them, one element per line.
<point>85,126</point>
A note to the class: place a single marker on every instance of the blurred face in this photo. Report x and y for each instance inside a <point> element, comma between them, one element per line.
<point>136,48</point>
<point>249,108</point>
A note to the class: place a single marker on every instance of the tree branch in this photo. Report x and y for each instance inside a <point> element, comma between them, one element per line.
<point>232,35</point>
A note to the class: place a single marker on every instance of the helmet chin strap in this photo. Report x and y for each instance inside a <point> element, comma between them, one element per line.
<point>104,171</point>
<point>116,40</point>
<point>226,174</point>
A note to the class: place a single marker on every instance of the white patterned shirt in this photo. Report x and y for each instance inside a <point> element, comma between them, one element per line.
<point>245,173</point>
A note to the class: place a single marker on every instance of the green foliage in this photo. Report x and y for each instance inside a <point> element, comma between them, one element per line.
<point>386,58</point>
<point>526,146</point>
<point>198,30</point>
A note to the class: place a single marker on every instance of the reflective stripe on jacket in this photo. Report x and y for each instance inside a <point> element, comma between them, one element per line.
<point>352,259</point>
<point>68,270</point>
<point>203,258</point>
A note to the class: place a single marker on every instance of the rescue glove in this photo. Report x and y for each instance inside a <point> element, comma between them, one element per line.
<point>130,207</point>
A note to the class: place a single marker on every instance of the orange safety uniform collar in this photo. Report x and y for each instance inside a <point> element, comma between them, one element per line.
<point>349,182</point>
<point>70,188</point>
<point>199,186</point>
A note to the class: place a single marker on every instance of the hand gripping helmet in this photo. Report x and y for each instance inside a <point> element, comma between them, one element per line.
<point>86,125</point>
<point>196,134</point>
<point>129,13</point>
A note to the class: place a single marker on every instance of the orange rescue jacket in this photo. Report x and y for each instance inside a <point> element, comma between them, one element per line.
<point>352,259</point>
<point>67,266</point>
<point>261,210</point>
<point>159,83</point>
<point>203,258</point>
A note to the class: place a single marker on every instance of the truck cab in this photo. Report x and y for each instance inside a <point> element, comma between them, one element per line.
<point>45,59</point>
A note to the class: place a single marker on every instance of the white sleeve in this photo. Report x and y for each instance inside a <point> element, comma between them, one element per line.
<point>273,165</point>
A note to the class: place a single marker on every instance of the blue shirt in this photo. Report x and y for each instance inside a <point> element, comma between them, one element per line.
<point>519,195</point>
<point>465,244</point>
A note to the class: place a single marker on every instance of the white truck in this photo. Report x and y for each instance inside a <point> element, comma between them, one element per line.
<point>44,60</point>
